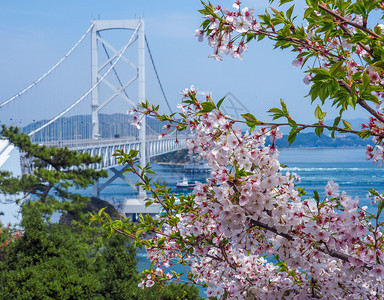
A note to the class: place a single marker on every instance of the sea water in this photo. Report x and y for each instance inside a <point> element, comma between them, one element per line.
<point>346,167</point>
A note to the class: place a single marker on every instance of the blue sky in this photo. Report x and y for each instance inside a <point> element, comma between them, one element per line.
<point>34,35</point>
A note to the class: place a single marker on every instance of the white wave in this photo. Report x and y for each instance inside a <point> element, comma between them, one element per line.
<point>328,169</point>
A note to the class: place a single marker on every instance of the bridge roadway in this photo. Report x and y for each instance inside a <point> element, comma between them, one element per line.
<point>107,147</point>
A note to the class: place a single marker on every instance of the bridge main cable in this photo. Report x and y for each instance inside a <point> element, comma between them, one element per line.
<point>47,73</point>
<point>157,75</point>
<point>91,89</point>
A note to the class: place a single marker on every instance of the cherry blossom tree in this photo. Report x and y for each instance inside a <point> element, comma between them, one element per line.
<point>250,232</point>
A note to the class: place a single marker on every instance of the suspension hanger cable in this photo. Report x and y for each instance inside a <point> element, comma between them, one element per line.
<point>157,75</point>
<point>47,73</point>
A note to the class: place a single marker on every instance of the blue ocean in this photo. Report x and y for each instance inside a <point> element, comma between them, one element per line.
<point>347,167</point>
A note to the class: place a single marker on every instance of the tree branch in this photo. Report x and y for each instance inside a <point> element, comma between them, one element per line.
<point>354,24</point>
<point>321,248</point>
<point>362,102</point>
<point>304,126</point>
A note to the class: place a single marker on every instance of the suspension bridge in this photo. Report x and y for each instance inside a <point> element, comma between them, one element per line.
<point>96,121</point>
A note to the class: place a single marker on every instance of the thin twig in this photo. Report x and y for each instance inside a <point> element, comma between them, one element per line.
<point>344,20</point>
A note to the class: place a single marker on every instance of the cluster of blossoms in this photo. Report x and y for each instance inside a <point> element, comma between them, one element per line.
<point>249,233</point>
<point>135,118</point>
<point>157,274</point>
<point>222,28</point>
<point>376,152</point>
<point>351,56</point>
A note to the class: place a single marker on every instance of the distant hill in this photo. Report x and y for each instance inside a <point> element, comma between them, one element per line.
<point>308,138</point>
<point>311,140</point>
<point>356,125</point>
<point>303,140</point>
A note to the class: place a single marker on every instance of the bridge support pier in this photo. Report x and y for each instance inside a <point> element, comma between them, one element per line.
<point>118,174</point>
<point>96,190</point>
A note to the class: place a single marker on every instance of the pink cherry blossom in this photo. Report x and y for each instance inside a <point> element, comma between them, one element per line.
<point>149,283</point>
<point>307,79</point>
<point>332,189</point>
<point>199,34</point>
<point>298,62</point>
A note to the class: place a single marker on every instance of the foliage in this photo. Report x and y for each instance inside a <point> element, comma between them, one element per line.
<point>118,272</point>
<point>49,260</point>
<point>171,291</point>
<point>43,260</point>
<point>57,261</point>
<point>250,232</point>
<point>51,172</point>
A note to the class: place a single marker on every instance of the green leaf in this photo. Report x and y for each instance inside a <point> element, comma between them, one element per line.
<point>277,113</point>
<point>319,114</point>
<point>366,82</point>
<point>316,195</point>
<point>311,3</point>
<point>323,93</point>
<point>101,211</point>
<point>347,125</point>
<point>108,217</point>
<point>284,1</point>
<point>333,87</point>
<point>307,12</point>
<point>275,110</point>
<point>139,232</point>
<point>208,106</point>
<point>360,8</point>
<point>292,136</point>
<point>284,107</point>
<point>318,71</point>
<point>336,68</point>
<point>365,134</point>
<point>319,131</point>
<point>148,218</point>
<point>314,92</point>
<point>133,153</point>
<point>289,11</point>
<point>250,120</point>
<point>220,102</point>
<point>292,123</point>
<point>141,219</point>
<point>249,117</point>
<point>352,100</point>
<point>161,242</point>
<point>337,121</point>
<point>371,97</point>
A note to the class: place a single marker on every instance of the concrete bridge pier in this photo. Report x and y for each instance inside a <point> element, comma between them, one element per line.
<point>117,174</point>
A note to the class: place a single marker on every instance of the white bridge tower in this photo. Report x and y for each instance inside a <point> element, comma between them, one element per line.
<point>97,68</point>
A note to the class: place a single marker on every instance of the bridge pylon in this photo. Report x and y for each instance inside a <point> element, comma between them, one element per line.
<point>137,25</point>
